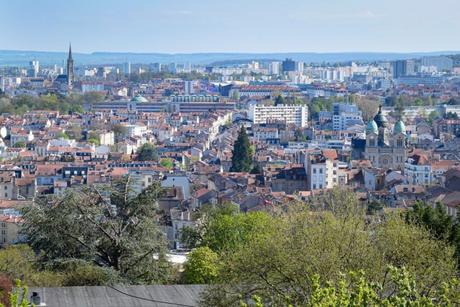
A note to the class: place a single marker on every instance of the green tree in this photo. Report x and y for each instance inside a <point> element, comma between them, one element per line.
<point>432,116</point>
<point>62,134</point>
<point>119,130</point>
<point>454,101</point>
<point>77,272</point>
<point>20,144</point>
<point>93,97</point>
<point>279,100</point>
<point>356,290</point>
<point>112,228</point>
<point>399,106</point>
<point>451,115</point>
<point>74,132</point>
<point>242,156</point>
<point>299,135</point>
<point>374,207</point>
<point>167,163</point>
<point>256,169</point>
<point>279,261</point>
<point>147,152</point>
<point>18,298</point>
<point>224,228</point>
<point>94,141</point>
<point>437,221</point>
<point>419,102</point>
<point>429,101</point>
<point>318,104</point>
<point>21,262</point>
<point>368,105</point>
<point>201,266</point>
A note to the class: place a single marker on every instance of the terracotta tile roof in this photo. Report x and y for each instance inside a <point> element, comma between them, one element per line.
<point>10,219</point>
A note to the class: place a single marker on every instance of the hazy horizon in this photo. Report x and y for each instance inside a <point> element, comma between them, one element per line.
<point>65,50</point>
<point>205,26</point>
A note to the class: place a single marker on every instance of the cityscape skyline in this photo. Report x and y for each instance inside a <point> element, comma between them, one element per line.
<point>229,153</point>
<point>258,26</point>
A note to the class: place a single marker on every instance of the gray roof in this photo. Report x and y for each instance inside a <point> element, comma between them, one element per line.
<point>120,296</point>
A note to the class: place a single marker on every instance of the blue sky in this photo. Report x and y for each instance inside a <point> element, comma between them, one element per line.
<point>230,25</point>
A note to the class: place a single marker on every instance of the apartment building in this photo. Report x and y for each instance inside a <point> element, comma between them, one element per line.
<point>322,171</point>
<point>289,114</point>
<point>417,170</point>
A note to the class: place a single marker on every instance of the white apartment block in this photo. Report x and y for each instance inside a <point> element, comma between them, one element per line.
<point>322,173</point>
<point>417,174</point>
<point>346,120</point>
<point>289,114</point>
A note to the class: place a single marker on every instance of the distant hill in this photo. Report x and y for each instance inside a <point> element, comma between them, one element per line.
<point>22,58</point>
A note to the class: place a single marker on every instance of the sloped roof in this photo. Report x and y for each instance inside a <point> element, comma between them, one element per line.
<point>120,296</point>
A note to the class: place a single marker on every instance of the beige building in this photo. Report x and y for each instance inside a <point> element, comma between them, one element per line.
<point>8,187</point>
<point>323,172</point>
<point>9,229</point>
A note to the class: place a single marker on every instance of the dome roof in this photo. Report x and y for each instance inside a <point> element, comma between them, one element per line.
<point>380,119</point>
<point>399,127</point>
<point>139,98</point>
<point>372,127</point>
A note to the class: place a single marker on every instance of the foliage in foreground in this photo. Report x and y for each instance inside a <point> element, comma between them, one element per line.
<point>355,290</point>
<point>281,256</point>
<point>83,229</point>
<point>18,297</point>
<point>201,266</point>
<point>438,222</point>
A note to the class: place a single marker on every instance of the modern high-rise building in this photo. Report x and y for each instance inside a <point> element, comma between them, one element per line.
<point>127,68</point>
<point>288,65</point>
<point>402,68</point>
<point>442,63</point>
<point>189,87</point>
<point>299,66</point>
<point>34,68</point>
<point>70,74</point>
<point>274,68</point>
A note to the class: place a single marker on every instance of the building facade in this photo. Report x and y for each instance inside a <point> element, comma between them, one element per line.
<point>385,149</point>
<point>289,114</point>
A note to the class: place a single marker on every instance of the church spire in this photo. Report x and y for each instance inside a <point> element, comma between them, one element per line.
<point>70,51</point>
<point>70,75</point>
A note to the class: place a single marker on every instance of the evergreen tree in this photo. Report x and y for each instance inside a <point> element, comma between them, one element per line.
<point>279,100</point>
<point>242,155</point>
<point>113,228</point>
<point>147,152</point>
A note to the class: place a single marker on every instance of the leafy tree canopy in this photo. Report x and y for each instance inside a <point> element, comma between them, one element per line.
<point>147,152</point>
<point>326,237</point>
<point>113,228</point>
